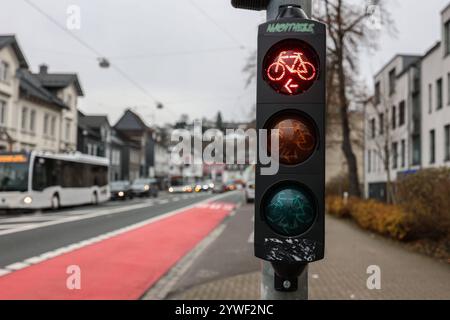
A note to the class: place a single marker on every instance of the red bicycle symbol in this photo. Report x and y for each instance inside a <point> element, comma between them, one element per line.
<point>294,63</point>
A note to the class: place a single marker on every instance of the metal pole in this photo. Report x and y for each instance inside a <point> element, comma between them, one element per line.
<point>268,291</point>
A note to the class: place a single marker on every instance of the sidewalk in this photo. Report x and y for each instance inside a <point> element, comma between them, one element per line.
<point>342,275</point>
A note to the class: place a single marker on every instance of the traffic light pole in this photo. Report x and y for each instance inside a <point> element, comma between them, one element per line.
<point>268,291</point>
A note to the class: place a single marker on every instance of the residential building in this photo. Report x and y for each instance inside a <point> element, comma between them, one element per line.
<point>38,111</point>
<point>153,157</point>
<point>407,126</point>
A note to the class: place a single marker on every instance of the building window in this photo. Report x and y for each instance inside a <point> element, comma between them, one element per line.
<point>439,94</point>
<point>401,110</point>
<point>416,150</point>
<point>448,89</point>
<point>53,126</point>
<point>447,37</point>
<point>69,100</point>
<point>372,128</point>
<point>432,146</point>
<point>4,71</point>
<point>46,118</point>
<point>377,93</point>
<point>381,123</point>
<point>392,82</point>
<point>394,117</point>
<point>67,130</point>
<point>369,161</point>
<point>2,112</point>
<point>24,119</point>
<point>403,153</point>
<point>32,120</point>
<point>430,98</point>
<point>447,142</point>
<point>394,155</point>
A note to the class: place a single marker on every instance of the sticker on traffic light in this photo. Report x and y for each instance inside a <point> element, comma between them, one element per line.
<point>289,209</point>
<point>291,66</point>
<point>297,137</point>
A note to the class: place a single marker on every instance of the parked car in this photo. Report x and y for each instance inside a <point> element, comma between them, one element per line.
<point>145,188</point>
<point>250,191</point>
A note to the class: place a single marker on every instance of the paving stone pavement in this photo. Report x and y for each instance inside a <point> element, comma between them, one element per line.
<point>343,273</point>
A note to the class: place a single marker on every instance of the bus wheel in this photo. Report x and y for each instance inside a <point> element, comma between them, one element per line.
<point>55,202</point>
<point>94,199</point>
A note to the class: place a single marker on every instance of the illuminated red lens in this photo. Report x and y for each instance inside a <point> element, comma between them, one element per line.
<point>291,67</point>
<point>297,138</point>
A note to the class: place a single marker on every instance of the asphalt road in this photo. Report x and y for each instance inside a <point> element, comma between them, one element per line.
<point>52,230</point>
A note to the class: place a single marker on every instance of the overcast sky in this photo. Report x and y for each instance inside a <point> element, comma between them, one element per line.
<point>189,61</point>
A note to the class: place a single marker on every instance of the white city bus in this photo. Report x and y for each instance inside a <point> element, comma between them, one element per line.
<point>37,180</point>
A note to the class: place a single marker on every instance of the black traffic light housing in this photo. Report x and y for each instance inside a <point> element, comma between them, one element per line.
<point>291,83</point>
<point>250,4</point>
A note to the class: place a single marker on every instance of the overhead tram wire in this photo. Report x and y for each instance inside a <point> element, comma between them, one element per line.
<point>96,52</point>
<point>211,19</point>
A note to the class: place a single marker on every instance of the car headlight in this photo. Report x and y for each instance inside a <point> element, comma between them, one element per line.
<point>146,187</point>
<point>27,200</point>
<point>170,189</point>
<point>121,194</point>
<point>211,185</point>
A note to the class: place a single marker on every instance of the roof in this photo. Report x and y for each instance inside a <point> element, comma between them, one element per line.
<point>31,87</point>
<point>431,50</point>
<point>60,80</point>
<point>130,121</point>
<point>10,40</point>
<point>94,121</point>
<point>409,59</point>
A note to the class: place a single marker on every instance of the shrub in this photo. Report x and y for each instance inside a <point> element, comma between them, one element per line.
<point>375,216</point>
<point>336,207</point>
<point>425,195</point>
<point>381,218</point>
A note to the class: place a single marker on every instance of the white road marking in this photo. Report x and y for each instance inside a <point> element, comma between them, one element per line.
<point>75,246</point>
<point>4,272</point>
<point>17,266</point>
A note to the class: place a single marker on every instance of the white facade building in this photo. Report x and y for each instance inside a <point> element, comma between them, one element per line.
<point>407,125</point>
<point>38,111</point>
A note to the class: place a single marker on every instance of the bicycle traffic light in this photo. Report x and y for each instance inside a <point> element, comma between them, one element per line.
<point>289,210</point>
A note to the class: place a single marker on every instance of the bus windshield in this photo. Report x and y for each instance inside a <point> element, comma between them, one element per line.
<point>13,176</point>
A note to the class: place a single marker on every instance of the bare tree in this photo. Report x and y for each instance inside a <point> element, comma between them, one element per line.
<point>382,140</point>
<point>349,29</point>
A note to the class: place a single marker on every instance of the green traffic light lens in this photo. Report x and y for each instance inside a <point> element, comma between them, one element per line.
<point>289,209</point>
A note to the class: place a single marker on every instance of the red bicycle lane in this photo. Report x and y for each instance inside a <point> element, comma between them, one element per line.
<point>121,267</point>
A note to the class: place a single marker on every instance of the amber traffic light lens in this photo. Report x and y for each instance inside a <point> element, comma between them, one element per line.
<point>291,67</point>
<point>297,138</point>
